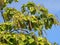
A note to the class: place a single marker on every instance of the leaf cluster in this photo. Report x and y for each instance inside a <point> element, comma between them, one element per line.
<point>32,17</point>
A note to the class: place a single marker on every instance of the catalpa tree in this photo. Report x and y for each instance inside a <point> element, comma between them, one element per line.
<point>19,27</point>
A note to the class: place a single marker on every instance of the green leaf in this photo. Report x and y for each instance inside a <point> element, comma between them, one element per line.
<point>31,41</point>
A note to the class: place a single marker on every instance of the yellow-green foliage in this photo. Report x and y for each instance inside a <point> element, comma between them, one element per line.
<point>18,25</point>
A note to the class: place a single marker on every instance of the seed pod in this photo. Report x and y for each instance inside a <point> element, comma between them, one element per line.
<point>2,3</point>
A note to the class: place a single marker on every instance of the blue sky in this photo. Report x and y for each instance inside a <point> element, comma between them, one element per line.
<point>53,35</point>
